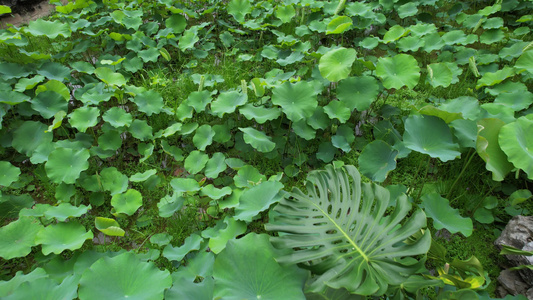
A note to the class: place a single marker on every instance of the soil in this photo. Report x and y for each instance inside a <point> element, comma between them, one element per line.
<point>25,11</point>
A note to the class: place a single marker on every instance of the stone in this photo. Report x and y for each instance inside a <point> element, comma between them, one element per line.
<point>512,282</point>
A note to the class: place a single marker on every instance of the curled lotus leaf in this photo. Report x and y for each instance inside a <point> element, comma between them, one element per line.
<point>258,139</point>
<point>516,142</point>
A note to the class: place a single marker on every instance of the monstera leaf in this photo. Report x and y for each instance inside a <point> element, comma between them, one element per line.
<point>340,231</point>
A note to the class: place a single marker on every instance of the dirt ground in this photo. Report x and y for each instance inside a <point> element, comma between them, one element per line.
<point>40,10</point>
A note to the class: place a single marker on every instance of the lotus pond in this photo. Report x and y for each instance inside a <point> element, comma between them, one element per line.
<point>274,149</point>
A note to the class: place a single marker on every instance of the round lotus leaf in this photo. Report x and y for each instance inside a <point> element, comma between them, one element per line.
<point>454,37</point>
<point>62,236</point>
<point>339,25</point>
<point>127,203</point>
<point>108,226</point>
<point>303,130</point>
<point>297,100</point>
<point>516,141</point>
<point>9,174</point>
<point>218,239</point>
<point>161,239</point>
<point>525,61</point>
<point>13,70</point>
<point>212,192</point>
<point>54,86</point>
<point>238,9</point>
<point>215,165</point>
<point>398,71</point>
<point>439,75</point>
<point>29,136</point>
<point>49,29</point>
<point>84,117</point>
<point>258,139</point>
<point>110,140</point>
<point>53,70</point>
<point>408,10</point>
<point>492,36</point>
<point>489,150</point>
<point>258,199</point>
<point>250,262</point>
<point>336,64</point>
<point>49,103</point>
<point>227,102</point>
<point>149,55</point>
<point>149,102</point>
<point>168,205</point>
<point>259,113</point>
<point>516,100</point>
<point>430,135</point>
<point>66,164</point>
<point>18,237</point>
<point>358,92</point>
<point>376,160</point>
<point>326,152</point>
<point>113,181</point>
<point>181,185</point>
<point>199,100</point>
<point>203,137</point>
<point>140,129</point>
<point>433,42</point>
<point>337,110</point>
<point>444,216</point>
<point>177,23</point>
<point>247,176</point>
<point>28,83</point>
<point>123,277</point>
<point>285,13</point>
<point>369,43</point>
<point>195,162</point>
<point>493,78</point>
<point>109,77</point>
<point>13,98</point>
<point>65,210</point>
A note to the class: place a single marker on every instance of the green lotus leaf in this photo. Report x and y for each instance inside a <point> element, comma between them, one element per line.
<point>430,135</point>
<point>110,140</point>
<point>337,110</point>
<point>188,39</point>
<point>29,136</point>
<point>343,138</point>
<point>65,210</point>
<point>250,261</point>
<point>489,150</point>
<point>168,205</point>
<point>356,242</point>
<point>444,216</point>
<point>394,33</point>
<point>161,239</point>
<point>439,75</point>
<point>140,177</point>
<point>149,55</point>
<point>215,165</point>
<point>467,106</point>
<point>336,64</point>
<point>222,133</point>
<point>408,10</point>
<point>127,203</point>
<point>201,266</point>
<point>47,289</point>
<point>11,286</point>
<point>54,86</point>
<point>169,131</point>
<point>173,151</point>
<point>146,150</point>
<point>66,164</point>
<point>113,181</point>
<point>13,70</point>
<point>9,174</point>
<point>176,22</point>
<point>433,42</point>
<point>497,111</point>
<point>11,205</point>
<point>448,117</point>
<point>492,36</point>
<point>493,78</point>
<point>297,100</point>
<point>27,83</point>
<point>422,29</point>
<point>13,98</point>
<point>258,139</point>
<point>227,102</point>
<point>377,159</point>
<point>410,43</point>
<point>94,93</point>
<point>454,37</point>
<point>517,197</point>
<point>369,43</point>
<point>109,77</point>
<point>516,142</point>
<point>203,137</point>
<point>303,130</point>
<point>53,70</point>
<point>191,243</point>
<point>123,276</point>
<point>398,71</point>
<point>141,130</point>
<point>109,227</point>
<point>326,152</point>
<point>239,9</point>
<point>339,25</point>
<point>188,128</point>
<point>258,199</point>
<point>181,185</point>
<point>285,13</point>
<point>84,117</point>
<point>259,113</point>
<point>465,131</point>
<point>83,67</point>
<point>516,100</point>
<point>18,237</point>
<point>195,162</point>
<point>212,192</point>
<point>483,215</point>
<point>133,65</point>
<point>49,29</point>
<point>62,236</point>
<point>247,176</point>
<point>219,240</point>
<point>358,92</point>
<point>49,103</point>
<point>525,62</point>
<point>149,102</point>
<point>199,100</point>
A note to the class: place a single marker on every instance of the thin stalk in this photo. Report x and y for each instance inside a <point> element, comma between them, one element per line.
<point>450,192</point>
<point>481,201</point>
<point>424,181</point>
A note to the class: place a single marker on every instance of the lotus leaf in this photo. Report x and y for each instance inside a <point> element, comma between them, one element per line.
<point>176,22</point>
<point>336,64</point>
<point>297,100</point>
<point>13,98</point>
<point>108,226</point>
<point>525,61</point>
<point>53,70</point>
<point>170,130</point>
<point>319,119</point>
<point>433,42</point>
<point>303,130</point>
<point>127,203</point>
<point>8,287</point>
<point>18,237</point>
<point>123,276</point>
<point>377,159</point>
<point>258,139</point>
<point>49,103</point>
<point>467,106</point>
<point>238,9</point>
<point>161,239</point>
<point>516,142</point>
<point>493,78</point>
<point>430,135</point>
<point>13,70</point>
<point>173,151</point>
<point>247,176</point>
<point>259,113</point>
<point>215,165</point>
<point>140,177</point>
<point>110,140</point>
<point>516,100</point>
<point>326,152</point>
<point>149,55</point>
<point>168,205</point>
<point>84,117</point>
<point>369,43</point>
<point>109,77</point>
<point>465,131</point>
<point>195,162</point>
<point>49,29</point>
<point>9,174</point>
<point>113,181</point>
<point>340,228</point>
<point>285,13</point>
<point>218,239</point>
<point>199,100</point>
<point>188,39</point>
<point>212,192</point>
<point>66,164</point>
<point>29,136</point>
<point>46,289</point>
<point>258,199</point>
<point>339,25</point>
<point>492,36</point>
<point>62,236</point>
<point>227,102</point>
<point>398,71</point>
<point>444,216</point>
<point>191,243</point>
<point>250,261</point>
<point>394,33</point>
<point>66,210</point>
<point>54,86</point>
<point>439,75</point>
<point>149,102</point>
<point>408,10</point>
<point>201,266</point>
<point>27,83</point>
<point>141,130</point>
<point>203,137</point>
<point>358,92</point>
<point>489,150</point>
<point>518,197</point>
<point>181,185</point>
<point>337,110</point>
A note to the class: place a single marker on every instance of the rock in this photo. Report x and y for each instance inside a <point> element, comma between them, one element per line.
<point>512,282</point>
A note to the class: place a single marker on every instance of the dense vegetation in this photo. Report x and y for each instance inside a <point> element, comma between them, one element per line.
<point>206,149</point>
